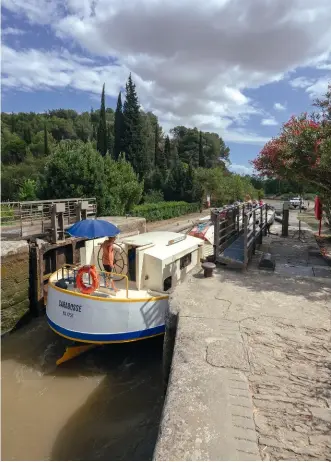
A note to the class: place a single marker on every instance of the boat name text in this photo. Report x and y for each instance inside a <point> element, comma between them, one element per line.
<point>70,306</point>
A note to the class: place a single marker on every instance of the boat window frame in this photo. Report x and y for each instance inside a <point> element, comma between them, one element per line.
<point>185,261</point>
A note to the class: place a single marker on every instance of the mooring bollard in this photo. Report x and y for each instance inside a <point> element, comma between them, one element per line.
<point>208,268</point>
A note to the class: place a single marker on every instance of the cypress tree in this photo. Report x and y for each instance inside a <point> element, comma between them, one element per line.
<point>201,153</point>
<point>189,183</point>
<point>156,146</point>
<point>102,138</point>
<point>13,123</point>
<point>46,148</point>
<point>110,140</point>
<point>167,151</point>
<point>133,143</point>
<point>27,135</point>
<point>118,127</point>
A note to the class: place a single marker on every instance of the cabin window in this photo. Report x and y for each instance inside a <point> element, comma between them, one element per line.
<point>167,283</point>
<point>185,261</point>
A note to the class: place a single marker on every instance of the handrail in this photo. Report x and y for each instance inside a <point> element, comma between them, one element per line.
<point>69,266</point>
<point>119,274</point>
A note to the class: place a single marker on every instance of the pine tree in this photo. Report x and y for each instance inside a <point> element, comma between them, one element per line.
<point>46,148</point>
<point>118,127</point>
<point>133,143</point>
<point>102,141</point>
<point>201,153</point>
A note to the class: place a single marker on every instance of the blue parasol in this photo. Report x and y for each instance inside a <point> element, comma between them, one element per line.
<point>93,229</point>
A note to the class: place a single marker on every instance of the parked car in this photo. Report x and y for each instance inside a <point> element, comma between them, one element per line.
<point>296,202</point>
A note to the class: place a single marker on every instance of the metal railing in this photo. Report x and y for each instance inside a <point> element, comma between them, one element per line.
<point>31,213</point>
<point>69,272</point>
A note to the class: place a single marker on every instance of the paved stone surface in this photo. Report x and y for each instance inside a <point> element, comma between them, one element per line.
<point>250,377</point>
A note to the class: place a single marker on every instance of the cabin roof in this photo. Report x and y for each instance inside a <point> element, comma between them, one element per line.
<point>160,239</point>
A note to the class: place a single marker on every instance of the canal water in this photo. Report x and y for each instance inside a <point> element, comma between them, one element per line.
<point>104,405</point>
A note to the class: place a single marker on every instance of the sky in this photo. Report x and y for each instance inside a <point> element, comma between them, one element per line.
<point>236,67</point>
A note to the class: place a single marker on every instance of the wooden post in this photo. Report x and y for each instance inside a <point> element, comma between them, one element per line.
<point>54,224</point>
<point>266,219</point>
<point>285,221</point>
<point>254,230</point>
<point>36,283</point>
<point>21,222</point>
<point>216,236</point>
<point>261,225</point>
<point>68,203</point>
<point>245,241</point>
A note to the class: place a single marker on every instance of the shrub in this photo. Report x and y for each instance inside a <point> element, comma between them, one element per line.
<point>153,197</point>
<point>164,210</point>
<point>6,214</point>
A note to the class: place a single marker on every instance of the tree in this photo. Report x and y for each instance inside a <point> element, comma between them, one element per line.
<point>167,151</point>
<point>189,184</point>
<point>110,139</point>
<point>76,169</point>
<point>201,153</point>
<point>28,190</point>
<point>27,135</point>
<point>13,148</point>
<point>118,128</point>
<point>13,176</point>
<point>46,148</point>
<point>102,136</point>
<point>83,127</point>
<point>133,144</point>
<point>302,152</point>
<point>157,157</point>
<point>124,190</point>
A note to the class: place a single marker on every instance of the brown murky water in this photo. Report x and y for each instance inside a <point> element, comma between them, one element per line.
<point>104,405</point>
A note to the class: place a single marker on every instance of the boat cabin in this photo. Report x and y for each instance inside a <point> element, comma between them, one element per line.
<point>153,261</point>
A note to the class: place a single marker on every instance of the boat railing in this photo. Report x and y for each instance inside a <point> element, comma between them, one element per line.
<point>68,273</point>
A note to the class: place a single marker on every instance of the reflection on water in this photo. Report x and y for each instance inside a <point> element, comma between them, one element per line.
<point>104,405</point>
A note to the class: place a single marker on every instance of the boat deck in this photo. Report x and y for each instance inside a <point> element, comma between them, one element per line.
<point>108,292</point>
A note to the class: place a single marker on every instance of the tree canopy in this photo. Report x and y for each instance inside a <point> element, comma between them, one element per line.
<point>121,157</point>
<point>302,151</point>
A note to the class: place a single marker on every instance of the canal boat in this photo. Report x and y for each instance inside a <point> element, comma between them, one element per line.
<point>146,267</point>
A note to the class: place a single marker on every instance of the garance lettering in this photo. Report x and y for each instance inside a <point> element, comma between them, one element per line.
<point>70,306</point>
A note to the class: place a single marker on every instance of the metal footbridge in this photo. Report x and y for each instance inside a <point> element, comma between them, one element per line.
<point>238,231</point>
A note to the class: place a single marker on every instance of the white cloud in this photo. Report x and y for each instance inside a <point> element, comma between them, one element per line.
<point>301,82</point>
<point>269,122</point>
<point>37,11</point>
<point>241,169</point>
<point>279,107</point>
<point>192,60</point>
<point>35,69</point>
<point>12,31</point>
<point>314,87</point>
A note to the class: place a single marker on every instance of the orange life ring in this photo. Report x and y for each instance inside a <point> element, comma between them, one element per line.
<point>95,279</point>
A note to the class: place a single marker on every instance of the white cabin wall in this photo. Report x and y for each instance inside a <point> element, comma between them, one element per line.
<point>173,269</point>
<point>86,253</point>
<point>154,273</point>
<point>140,265</point>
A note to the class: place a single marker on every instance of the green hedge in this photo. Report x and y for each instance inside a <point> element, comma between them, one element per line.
<point>6,214</point>
<point>164,210</point>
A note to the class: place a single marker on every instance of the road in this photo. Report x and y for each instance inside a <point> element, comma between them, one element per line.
<point>177,223</point>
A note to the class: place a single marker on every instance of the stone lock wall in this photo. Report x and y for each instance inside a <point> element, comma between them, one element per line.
<point>14,282</point>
